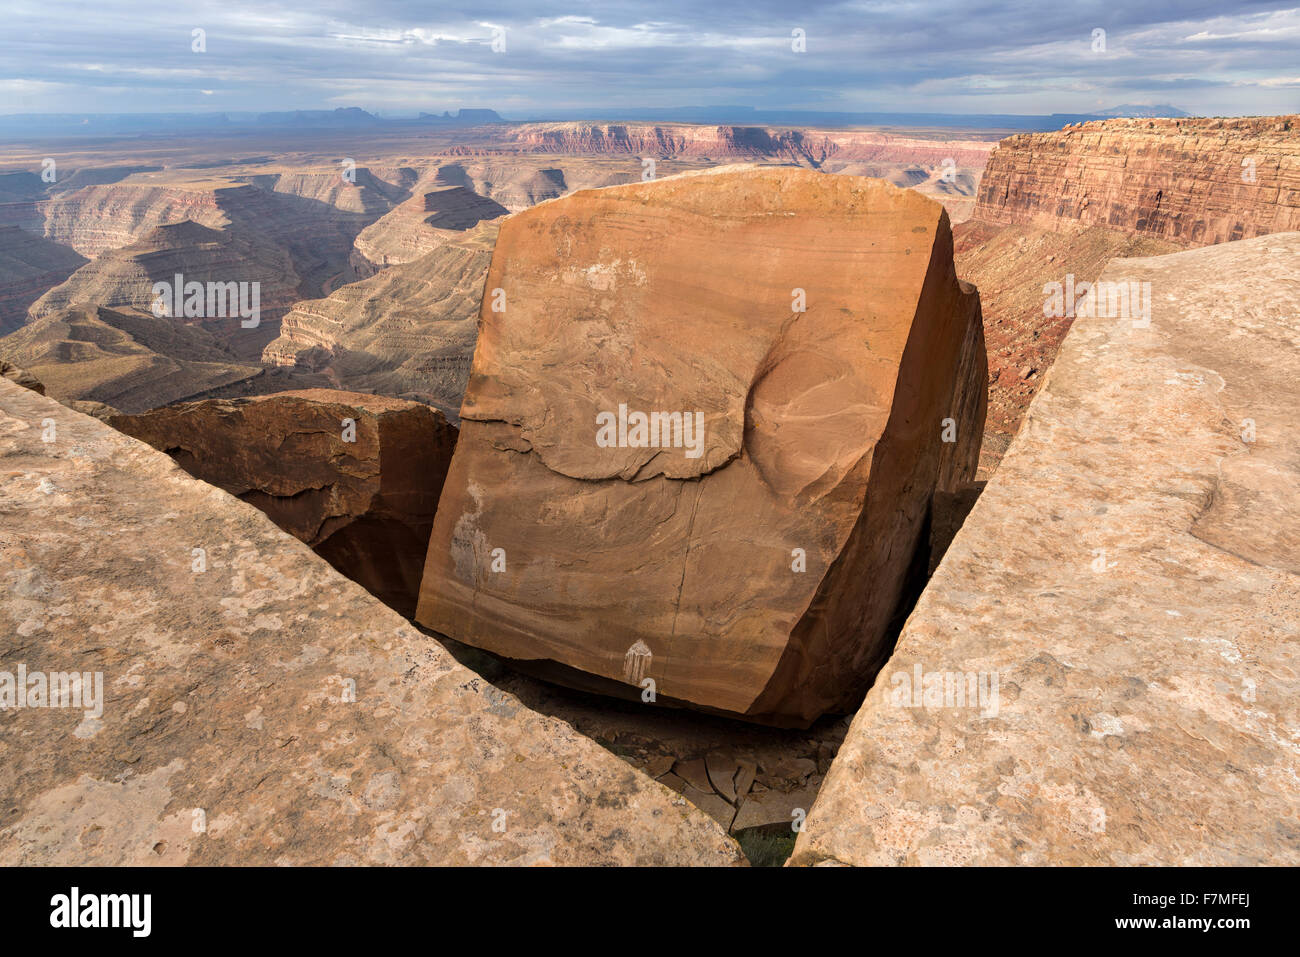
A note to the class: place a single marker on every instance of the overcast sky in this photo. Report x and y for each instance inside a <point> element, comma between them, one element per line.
<point>944,56</point>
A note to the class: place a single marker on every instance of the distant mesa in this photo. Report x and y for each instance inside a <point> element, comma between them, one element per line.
<point>234,123</point>
<point>463,117</point>
<point>1131,110</point>
<point>320,119</point>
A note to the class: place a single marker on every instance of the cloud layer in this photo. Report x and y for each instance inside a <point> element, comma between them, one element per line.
<point>528,59</point>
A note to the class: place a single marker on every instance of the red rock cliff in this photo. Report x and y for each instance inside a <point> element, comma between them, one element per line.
<point>1193,182</point>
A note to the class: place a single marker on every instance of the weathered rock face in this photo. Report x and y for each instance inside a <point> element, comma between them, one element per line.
<point>264,710</point>
<point>1190,181</point>
<point>1131,578</point>
<point>362,495</point>
<point>1011,266</point>
<point>749,565</point>
<point>1056,207</point>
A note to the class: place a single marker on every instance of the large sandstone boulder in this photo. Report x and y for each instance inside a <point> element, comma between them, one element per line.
<point>1126,596</point>
<point>354,476</point>
<point>801,339</point>
<point>259,708</point>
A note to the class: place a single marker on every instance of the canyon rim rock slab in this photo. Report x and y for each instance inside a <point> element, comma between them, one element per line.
<point>266,710</point>
<point>1131,575</point>
<point>362,495</point>
<point>756,574</point>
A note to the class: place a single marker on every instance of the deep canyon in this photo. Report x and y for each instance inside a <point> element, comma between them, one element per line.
<point>429,595</point>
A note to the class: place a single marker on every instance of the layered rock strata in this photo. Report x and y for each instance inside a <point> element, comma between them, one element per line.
<point>731,143</point>
<point>131,360</point>
<point>1054,208</point>
<point>29,266</point>
<point>94,219</point>
<point>408,331</point>
<point>1188,181</point>
<point>244,287</point>
<point>316,235</point>
<point>419,226</point>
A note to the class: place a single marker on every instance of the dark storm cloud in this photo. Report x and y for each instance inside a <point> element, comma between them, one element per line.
<point>402,56</point>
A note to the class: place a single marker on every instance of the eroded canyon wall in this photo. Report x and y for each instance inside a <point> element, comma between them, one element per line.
<point>1054,208</point>
<point>741,143</point>
<point>408,331</point>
